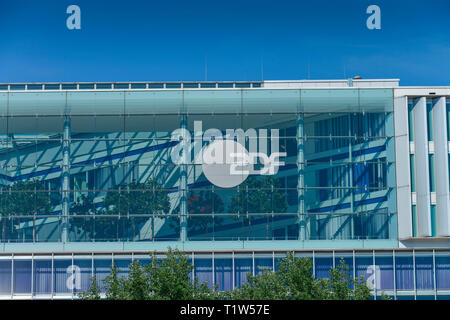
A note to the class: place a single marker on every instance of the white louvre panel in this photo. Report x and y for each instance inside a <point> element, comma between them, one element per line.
<point>422,169</point>
<point>441,168</point>
<point>402,168</point>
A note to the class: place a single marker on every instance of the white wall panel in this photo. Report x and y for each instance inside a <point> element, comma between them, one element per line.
<point>402,168</point>
<point>441,168</point>
<point>422,168</point>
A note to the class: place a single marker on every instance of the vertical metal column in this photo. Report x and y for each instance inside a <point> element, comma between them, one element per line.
<point>423,202</point>
<point>414,273</point>
<point>350,172</point>
<point>375,280</point>
<point>434,275</point>
<point>395,277</point>
<point>12,275</point>
<point>213,271</point>
<point>32,275</point>
<point>232,270</point>
<point>65,178</point>
<point>183,185</point>
<point>314,263</point>
<point>53,275</point>
<point>193,267</point>
<point>441,167</point>
<point>301,177</point>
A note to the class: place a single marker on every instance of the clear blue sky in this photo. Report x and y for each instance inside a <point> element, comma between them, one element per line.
<point>136,40</point>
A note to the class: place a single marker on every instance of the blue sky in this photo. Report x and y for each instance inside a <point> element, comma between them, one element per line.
<point>237,40</point>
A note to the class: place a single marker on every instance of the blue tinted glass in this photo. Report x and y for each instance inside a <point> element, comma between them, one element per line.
<point>190,85</point>
<point>404,273</point>
<point>385,271</point>
<point>51,87</point>
<point>138,86</point>
<point>323,264</point>
<point>225,85</point>
<point>443,272</point>
<point>203,270</point>
<point>121,85</point>
<point>102,268</point>
<point>223,273</point>
<point>424,272</point>
<point>207,85</point>
<point>64,280</point>
<point>173,85</point>
<point>104,85</point>
<point>42,276</point>
<point>5,277</point>
<point>263,263</point>
<point>156,85</point>
<point>69,86</point>
<point>83,274</point>
<point>86,86</point>
<point>22,276</point>
<point>17,87</point>
<point>420,297</point>
<point>242,266</point>
<point>365,269</point>
<point>34,87</point>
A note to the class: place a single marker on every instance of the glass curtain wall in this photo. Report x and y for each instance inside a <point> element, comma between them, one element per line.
<point>87,166</point>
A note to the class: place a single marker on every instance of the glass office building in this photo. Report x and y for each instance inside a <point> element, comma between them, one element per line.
<point>88,175</point>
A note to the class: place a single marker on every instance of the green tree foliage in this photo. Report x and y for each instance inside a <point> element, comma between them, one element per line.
<point>114,285</point>
<point>135,198</point>
<point>82,226</point>
<point>265,286</point>
<point>294,281</point>
<point>137,286</point>
<point>362,291</point>
<point>23,198</point>
<point>93,293</point>
<point>200,203</point>
<point>259,195</point>
<point>162,279</point>
<point>296,274</point>
<point>169,279</point>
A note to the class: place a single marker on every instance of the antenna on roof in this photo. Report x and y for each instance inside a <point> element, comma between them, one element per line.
<point>206,69</point>
<point>308,69</point>
<point>262,68</point>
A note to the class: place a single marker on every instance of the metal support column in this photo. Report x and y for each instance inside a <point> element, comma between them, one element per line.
<point>65,179</point>
<point>301,177</point>
<point>183,186</point>
<point>350,173</point>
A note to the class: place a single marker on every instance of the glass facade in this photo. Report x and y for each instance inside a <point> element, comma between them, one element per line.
<point>418,274</point>
<point>82,166</point>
